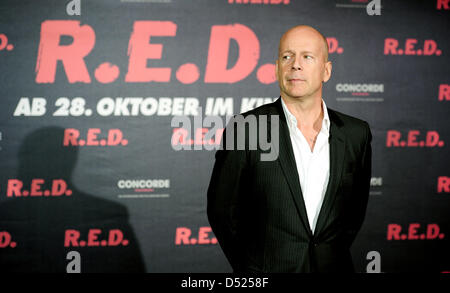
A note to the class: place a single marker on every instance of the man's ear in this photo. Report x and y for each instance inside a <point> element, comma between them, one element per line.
<point>327,71</point>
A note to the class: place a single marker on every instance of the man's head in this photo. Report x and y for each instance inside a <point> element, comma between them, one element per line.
<point>302,63</point>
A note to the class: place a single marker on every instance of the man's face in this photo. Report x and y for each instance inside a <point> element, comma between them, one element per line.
<point>301,65</point>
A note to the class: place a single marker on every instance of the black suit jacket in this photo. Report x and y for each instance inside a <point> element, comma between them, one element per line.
<point>256,208</point>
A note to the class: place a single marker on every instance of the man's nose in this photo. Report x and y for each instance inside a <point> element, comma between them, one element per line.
<point>296,64</point>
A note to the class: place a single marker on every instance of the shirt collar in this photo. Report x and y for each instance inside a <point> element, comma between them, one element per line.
<point>292,121</point>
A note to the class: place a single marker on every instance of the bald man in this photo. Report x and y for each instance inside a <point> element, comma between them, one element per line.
<point>302,211</point>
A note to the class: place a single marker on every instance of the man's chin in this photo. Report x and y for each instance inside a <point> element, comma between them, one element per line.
<point>297,91</point>
<point>296,95</point>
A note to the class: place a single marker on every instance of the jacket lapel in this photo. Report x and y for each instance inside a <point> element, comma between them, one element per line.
<point>337,153</point>
<point>287,162</point>
<point>288,165</point>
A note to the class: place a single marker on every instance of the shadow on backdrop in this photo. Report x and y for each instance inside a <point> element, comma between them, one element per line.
<point>39,224</point>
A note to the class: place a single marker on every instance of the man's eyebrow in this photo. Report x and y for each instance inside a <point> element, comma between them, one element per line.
<point>286,51</point>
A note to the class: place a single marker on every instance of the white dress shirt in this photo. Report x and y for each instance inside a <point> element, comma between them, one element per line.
<point>313,166</point>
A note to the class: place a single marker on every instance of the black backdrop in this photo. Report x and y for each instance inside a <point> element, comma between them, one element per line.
<point>89,159</point>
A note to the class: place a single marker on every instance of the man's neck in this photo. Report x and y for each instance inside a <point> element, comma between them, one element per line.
<point>307,111</point>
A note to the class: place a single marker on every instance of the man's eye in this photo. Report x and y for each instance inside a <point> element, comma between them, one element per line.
<point>308,57</point>
<point>286,57</point>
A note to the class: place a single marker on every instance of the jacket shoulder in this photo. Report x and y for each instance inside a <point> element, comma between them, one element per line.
<point>350,125</point>
<point>266,109</point>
